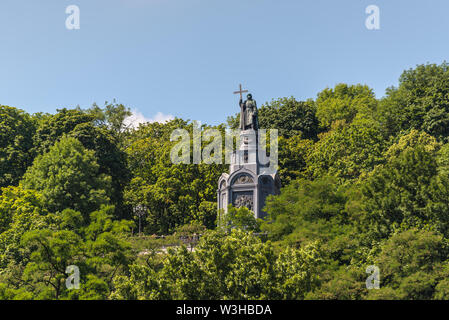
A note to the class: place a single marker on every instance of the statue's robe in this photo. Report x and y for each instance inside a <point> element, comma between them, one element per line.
<point>248,115</point>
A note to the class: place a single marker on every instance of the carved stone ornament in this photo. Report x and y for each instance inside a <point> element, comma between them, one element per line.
<point>244,201</point>
<point>244,179</point>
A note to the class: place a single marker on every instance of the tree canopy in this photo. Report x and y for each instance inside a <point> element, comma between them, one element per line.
<point>365,189</point>
<point>17,129</point>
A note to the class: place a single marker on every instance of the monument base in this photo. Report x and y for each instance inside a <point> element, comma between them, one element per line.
<point>246,185</point>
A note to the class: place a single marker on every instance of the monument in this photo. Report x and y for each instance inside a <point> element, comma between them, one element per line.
<point>249,181</point>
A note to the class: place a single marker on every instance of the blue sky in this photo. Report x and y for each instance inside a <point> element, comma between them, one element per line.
<point>185,57</point>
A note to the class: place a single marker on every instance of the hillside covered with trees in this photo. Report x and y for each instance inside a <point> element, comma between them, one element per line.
<point>365,181</point>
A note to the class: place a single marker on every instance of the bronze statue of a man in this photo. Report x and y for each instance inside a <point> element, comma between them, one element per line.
<point>248,114</point>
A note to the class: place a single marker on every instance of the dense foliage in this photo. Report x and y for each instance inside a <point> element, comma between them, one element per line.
<point>365,183</point>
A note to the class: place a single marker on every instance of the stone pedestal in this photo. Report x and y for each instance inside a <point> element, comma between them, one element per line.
<point>248,182</point>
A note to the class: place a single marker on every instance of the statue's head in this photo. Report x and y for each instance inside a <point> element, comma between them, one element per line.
<point>249,96</point>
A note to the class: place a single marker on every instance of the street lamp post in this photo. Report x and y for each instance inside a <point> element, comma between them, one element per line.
<point>140,211</point>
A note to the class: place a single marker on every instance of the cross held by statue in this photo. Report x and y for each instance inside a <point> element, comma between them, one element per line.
<point>240,92</point>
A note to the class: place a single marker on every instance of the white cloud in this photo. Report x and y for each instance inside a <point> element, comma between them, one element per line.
<point>160,117</point>
<point>137,118</point>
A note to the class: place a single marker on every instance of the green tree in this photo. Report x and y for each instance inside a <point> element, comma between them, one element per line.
<point>419,102</point>
<point>290,117</point>
<point>52,128</point>
<point>308,211</point>
<point>111,159</point>
<point>97,249</point>
<point>16,142</point>
<point>348,150</point>
<point>293,153</point>
<point>410,265</point>
<point>405,192</point>
<point>344,283</point>
<point>116,115</point>
<point>234,266</point>
<point>68,176</point>
<point>14,294</point>
<point>344,102</point>
<point>242,218</point>
<point>20,211</point>
<point>52,253</point>
<point>99,130</point>
<point>174,194</point>
<point>112,116</point>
